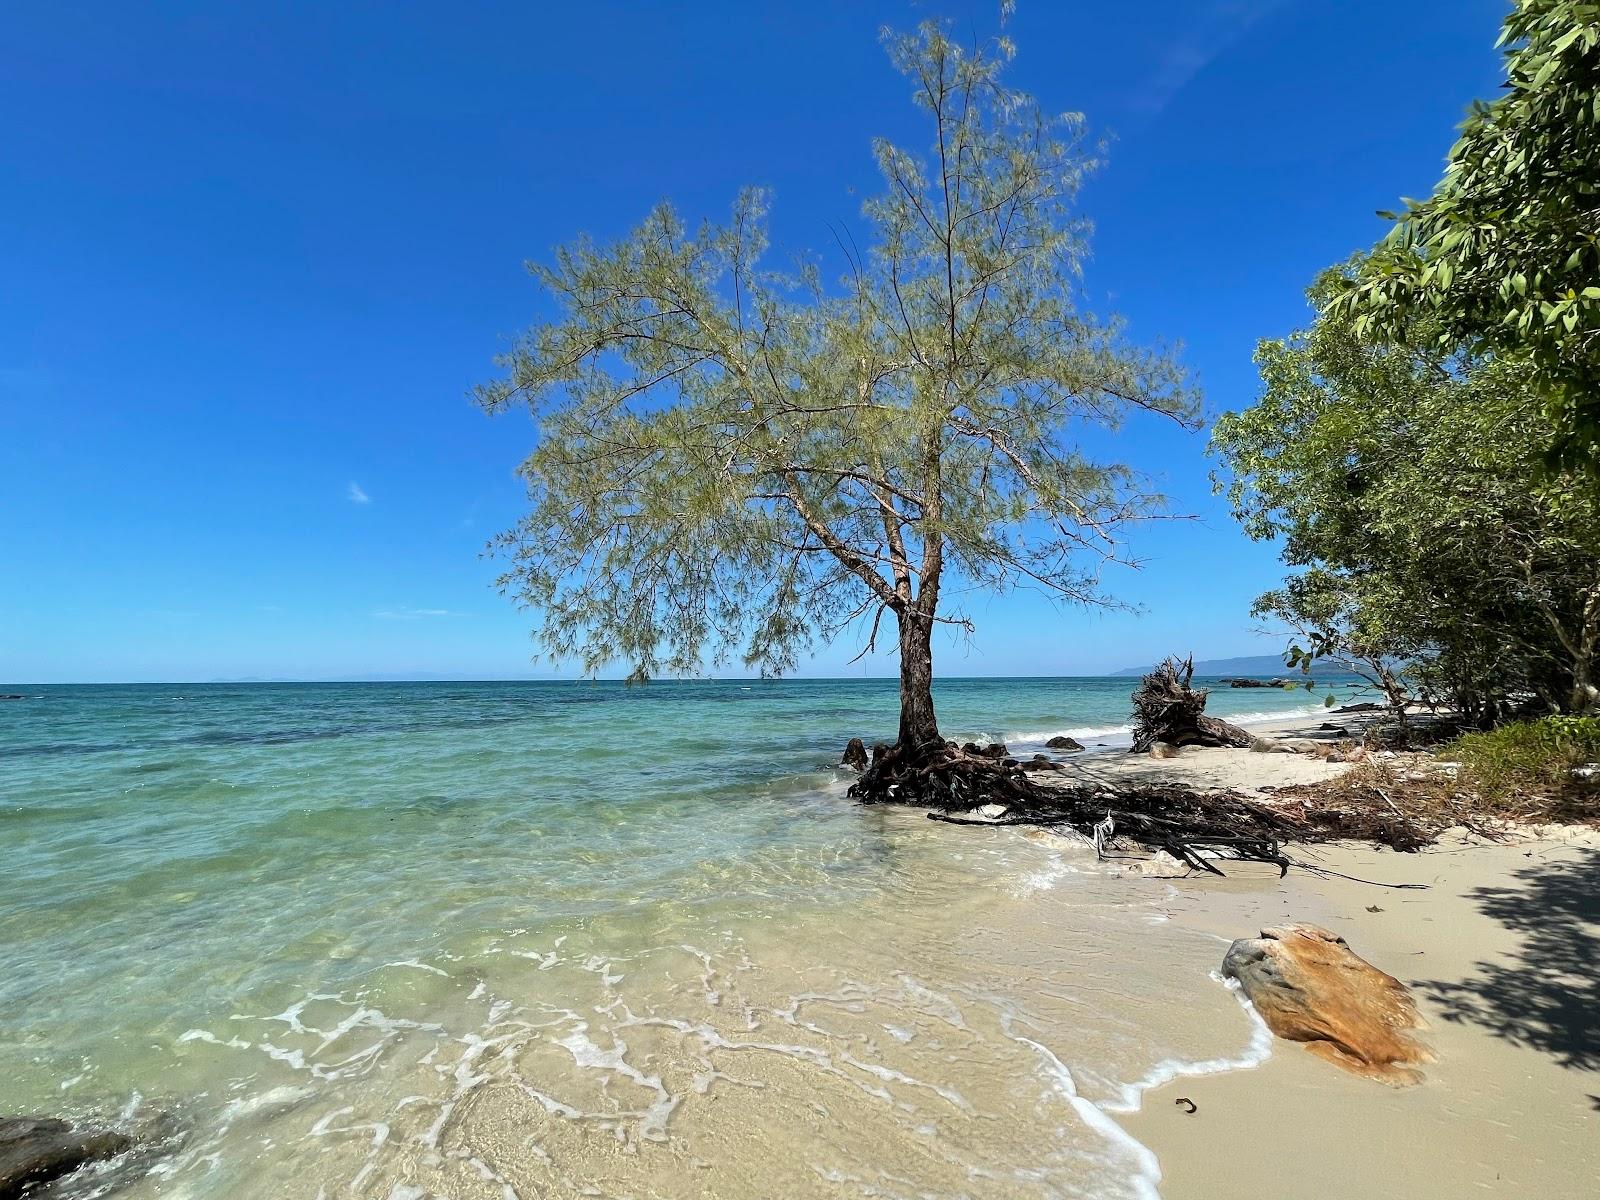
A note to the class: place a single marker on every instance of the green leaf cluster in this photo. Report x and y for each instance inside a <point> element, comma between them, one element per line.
<point>1405,480</point>
<point>735,459</point>
<point>1505,255</point>
<point>1554,757</point>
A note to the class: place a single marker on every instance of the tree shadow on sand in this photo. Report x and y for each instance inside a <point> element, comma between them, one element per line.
<point>1546,994</point>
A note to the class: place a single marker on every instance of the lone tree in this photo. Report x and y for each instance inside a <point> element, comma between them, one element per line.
<point>733,460</point>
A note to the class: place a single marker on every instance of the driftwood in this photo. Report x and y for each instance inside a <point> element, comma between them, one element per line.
<point>1196,828</point>
<point>1166,709</point>
<point>1200,829</point>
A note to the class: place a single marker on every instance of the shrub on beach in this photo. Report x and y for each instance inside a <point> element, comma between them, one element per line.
<point>1552,759</point>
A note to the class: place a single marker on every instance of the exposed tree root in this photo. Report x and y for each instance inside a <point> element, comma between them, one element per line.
<point>1198,829</point>
<point>943,775</point>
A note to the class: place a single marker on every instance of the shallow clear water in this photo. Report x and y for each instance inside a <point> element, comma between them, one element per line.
<point>524,939</point>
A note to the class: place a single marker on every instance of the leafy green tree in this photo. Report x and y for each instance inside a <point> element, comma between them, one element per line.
<point>1404,481</point>
<point>737,461</point>
<point>1505,255</point>
<point>1332,621</point>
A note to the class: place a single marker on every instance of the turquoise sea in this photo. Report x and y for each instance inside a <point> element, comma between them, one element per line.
<point>571,938</point>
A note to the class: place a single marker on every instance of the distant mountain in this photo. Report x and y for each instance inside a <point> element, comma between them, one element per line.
<point>1255,666</point>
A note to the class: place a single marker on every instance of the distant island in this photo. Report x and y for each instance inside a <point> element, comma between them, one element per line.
<point>1265,665</point>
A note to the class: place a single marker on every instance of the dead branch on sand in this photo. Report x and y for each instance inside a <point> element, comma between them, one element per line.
<point>1166,709</point>
<point>1200,829</point>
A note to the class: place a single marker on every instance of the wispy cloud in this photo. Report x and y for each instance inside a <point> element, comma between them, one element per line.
<point>356,494</point>
<point>1210,33</point>
<point>414,614</point>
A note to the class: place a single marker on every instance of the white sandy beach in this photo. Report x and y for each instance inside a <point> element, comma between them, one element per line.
<point>1240,770</point>
<point>1500,950</point>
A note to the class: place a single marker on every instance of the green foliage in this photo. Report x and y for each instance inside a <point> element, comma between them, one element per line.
<point>735,460</point>
<point>1543,759</point>
<point>1404,480</point>
<point>1505,255</point>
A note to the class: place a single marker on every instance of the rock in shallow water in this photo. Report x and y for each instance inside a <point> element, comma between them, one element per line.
<point>992,750</point>
<point>1063,742</point>
<point>1310,987</point>
<point>855,755</point>
<point>35,1150</point>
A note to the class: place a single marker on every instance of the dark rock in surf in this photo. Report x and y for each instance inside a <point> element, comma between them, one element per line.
<point>1063,742</point>
<point>992,750</point>
<point>855,755</point>
<point>36,1150</point>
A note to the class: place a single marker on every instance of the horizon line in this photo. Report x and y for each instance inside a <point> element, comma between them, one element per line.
<point>1121,673</point>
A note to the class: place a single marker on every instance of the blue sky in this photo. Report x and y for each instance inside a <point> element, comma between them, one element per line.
<point>255,255</point>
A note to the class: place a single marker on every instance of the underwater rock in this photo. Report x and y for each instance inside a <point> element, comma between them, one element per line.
<point>35,1150</point>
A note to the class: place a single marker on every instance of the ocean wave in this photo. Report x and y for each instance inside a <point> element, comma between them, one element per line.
<point>1076,731</point>
<point>1256,718</point>
<point>1140,1167</point>
<point>1143,1169</point>
<point>1259,1049</point>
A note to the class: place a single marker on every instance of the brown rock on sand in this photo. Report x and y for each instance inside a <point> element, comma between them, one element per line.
<point>1310,987</point>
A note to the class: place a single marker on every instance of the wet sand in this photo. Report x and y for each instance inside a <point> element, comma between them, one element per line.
<point>1500,951</point>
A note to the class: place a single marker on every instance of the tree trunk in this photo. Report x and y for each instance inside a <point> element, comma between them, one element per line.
<point>1584,694</point>
<point>918,724</point>
<point>921,767</point>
